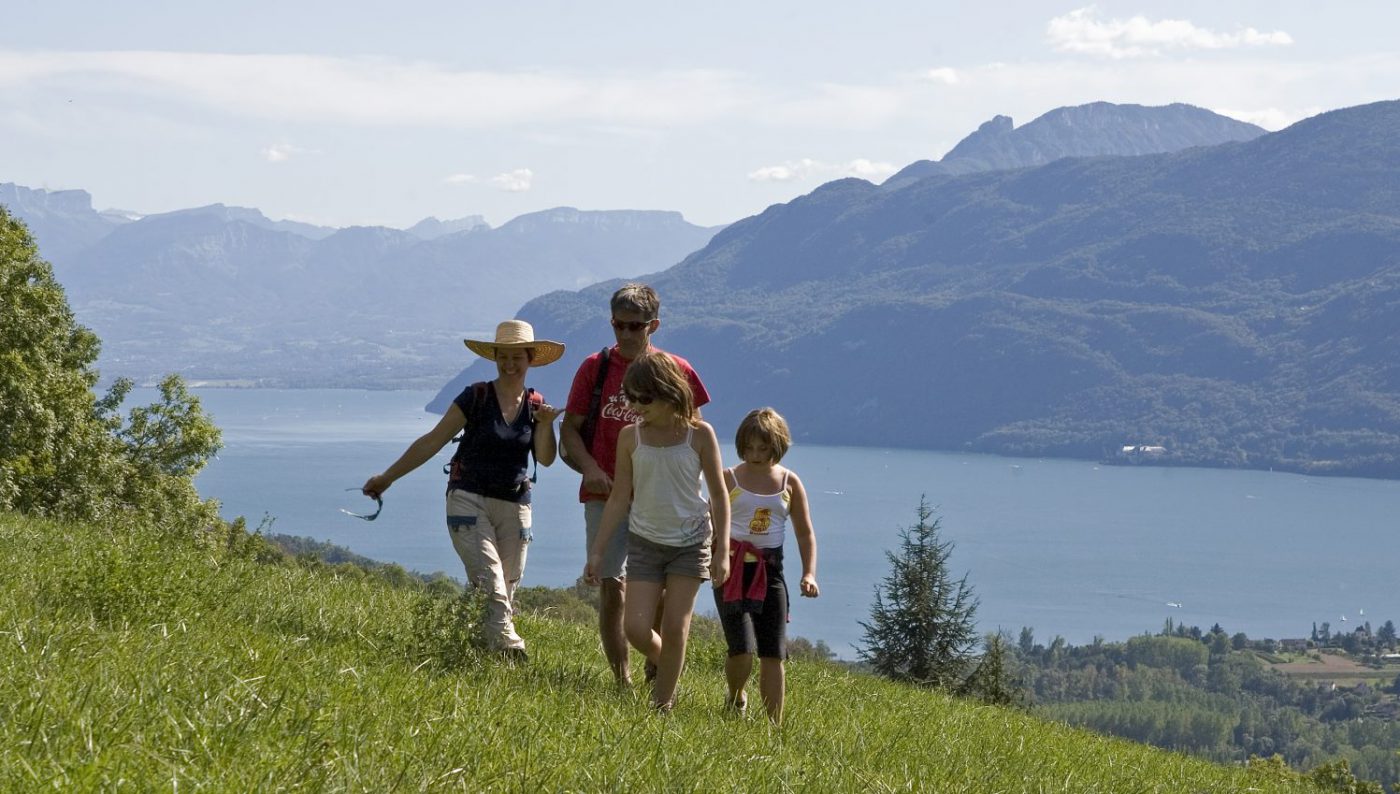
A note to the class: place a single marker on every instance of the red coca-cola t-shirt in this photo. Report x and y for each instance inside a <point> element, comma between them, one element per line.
<point>613,409</point>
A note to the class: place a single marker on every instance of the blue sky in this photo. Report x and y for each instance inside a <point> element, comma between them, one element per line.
<point>350,113</point>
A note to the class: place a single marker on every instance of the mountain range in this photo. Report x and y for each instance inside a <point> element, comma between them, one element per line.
<point>1235,304</point>
<point>224,294</point>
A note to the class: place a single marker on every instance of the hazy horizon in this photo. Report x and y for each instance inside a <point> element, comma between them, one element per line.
<point>336,115</point>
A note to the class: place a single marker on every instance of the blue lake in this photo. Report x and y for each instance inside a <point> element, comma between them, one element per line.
<point>1069,548</point>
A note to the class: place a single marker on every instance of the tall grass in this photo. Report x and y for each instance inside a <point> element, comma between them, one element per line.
<point>132,660</point>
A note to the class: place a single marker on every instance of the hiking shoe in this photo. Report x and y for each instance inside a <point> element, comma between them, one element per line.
<point>649,671</point>
<point>516,655</point>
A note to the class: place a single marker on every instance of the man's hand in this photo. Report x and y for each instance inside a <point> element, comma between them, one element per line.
<point>595,480</point>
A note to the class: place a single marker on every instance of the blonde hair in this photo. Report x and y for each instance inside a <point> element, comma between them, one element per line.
<point>764,426</point>
<point>655,374</point>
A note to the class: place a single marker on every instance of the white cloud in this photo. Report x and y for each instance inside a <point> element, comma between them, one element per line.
<point>517,181</point>
<point>945,75</point>
<point>384,91</point>
<point>807,168</point>
<point>459,179</point>
<point>1082,31</point>
<point>1270,118</point>
<point>843,106</point>
<point>278,152</point>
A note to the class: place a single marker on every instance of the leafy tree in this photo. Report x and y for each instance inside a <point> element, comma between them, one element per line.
<point>1386,634</point>
<point>65,453</point>
<point>921,627</point>
<point>1026,641</point>
<point>1219,644</point>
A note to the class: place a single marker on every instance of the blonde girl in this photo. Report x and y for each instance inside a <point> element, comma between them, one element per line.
<point>765,500</point>
<point>676,537</point>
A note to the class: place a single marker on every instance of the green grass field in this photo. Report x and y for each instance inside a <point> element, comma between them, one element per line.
<point>135,661</point>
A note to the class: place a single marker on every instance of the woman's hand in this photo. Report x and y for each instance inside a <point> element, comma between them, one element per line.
<point>546,413</point>
<point>375,486</point>
<point>808,586</point>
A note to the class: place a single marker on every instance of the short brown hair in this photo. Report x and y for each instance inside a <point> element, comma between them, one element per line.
<point>655,374</point>
<point>765,426</point>
<point>639,298</point>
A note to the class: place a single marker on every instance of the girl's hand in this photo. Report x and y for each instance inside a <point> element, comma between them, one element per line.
<point>546,413</point>
<point>719,569</point>
<point>808,586</point>
<point>590,570</point>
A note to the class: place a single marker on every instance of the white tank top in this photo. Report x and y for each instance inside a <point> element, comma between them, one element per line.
<point>760,519</point>
<point>667,504</point>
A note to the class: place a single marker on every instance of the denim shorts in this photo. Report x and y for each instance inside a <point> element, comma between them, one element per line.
<point>653,562</point>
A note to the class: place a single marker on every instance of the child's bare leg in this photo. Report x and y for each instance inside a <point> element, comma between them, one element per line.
<point>771,681</point>
<point>736,675</point>
<point>638,615</point>
<point>675,630</point>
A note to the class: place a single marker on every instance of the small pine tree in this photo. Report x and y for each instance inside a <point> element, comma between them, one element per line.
<point>921,628</point>
<point>992,680</point>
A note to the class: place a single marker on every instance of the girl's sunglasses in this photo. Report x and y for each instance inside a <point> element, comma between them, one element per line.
<point>630,325</point>
<point>638,399</point>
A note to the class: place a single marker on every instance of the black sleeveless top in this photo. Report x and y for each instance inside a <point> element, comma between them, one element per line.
<point>494,455</point>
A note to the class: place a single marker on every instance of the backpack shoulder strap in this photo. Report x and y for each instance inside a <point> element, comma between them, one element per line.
<point>478,404</point>
<point>473,415</point>
<point>595,399</point>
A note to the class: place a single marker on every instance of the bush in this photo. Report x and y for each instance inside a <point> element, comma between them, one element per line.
<point>446,632</point>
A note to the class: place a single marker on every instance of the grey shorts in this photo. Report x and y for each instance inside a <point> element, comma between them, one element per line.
<point>615,555</point>
<point>653,562</point>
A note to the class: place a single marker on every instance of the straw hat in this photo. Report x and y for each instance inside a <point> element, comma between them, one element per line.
<point>517,335</point>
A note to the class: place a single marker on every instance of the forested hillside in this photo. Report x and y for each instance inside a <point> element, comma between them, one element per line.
<point>1235,305</point>
<point>1228,697</point>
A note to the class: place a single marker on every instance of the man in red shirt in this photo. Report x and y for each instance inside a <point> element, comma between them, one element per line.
<point>636,314</point>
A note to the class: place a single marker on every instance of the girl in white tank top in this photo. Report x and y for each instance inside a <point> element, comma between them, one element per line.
<point>667,505</point>
<point>765,499</point>
<point>660,462</point>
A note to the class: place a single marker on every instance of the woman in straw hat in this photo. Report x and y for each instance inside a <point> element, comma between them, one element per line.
<point>488,492</point>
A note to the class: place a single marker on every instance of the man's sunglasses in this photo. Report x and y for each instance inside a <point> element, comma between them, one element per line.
<point>630,325</point>
<point>369,516</point>
<point>639,399</point>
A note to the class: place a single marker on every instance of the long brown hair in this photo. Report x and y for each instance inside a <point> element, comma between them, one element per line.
<point>655,374</point>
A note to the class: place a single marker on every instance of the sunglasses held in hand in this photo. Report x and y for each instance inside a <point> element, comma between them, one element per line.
<point>370,517</point>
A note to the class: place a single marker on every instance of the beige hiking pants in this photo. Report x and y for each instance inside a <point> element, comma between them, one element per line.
<point>491,536</point>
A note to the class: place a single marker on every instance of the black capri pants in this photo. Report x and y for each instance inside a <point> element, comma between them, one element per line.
<point>763,633</point>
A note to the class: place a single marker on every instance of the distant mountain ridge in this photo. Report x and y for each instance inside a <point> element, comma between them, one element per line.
<point>226,294</point>
<point>62,220</point>
<point>1096,129</point>
<point>1238,305</point>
